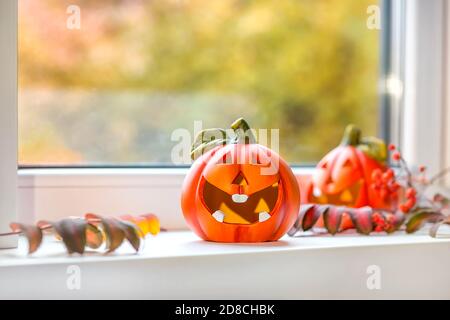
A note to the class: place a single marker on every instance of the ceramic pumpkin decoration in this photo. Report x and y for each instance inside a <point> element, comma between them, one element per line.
<point>237,190</point>
<point>344,176</point>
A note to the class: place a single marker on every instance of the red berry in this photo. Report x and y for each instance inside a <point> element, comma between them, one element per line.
<point>422,169</point>
<point>396,156</point>
<point>403,208</point>
<point>392,147</point>
<point>394,187</point>
<point>383,193</point>
<point>390,219</point>
<point>411,193</point>
<point>394,196</point>
<point>386,178</point>
<point>390,173</point>
<point>376,174</point>
<point>410,203</point>
<point>374,187</point>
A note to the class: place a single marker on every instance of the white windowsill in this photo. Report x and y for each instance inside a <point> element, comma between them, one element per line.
<point>179,265</point>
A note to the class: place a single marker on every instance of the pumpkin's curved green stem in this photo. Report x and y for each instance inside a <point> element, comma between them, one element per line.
<point>243,131</point>
<point>352,136</point>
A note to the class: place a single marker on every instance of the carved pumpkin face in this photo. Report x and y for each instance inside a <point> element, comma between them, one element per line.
<point>344,175</point>
<point>240,193</point>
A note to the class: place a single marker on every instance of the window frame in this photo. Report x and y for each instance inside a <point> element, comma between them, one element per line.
<point>8,118</point>
<point>424,107</point>
<point>109,190</point>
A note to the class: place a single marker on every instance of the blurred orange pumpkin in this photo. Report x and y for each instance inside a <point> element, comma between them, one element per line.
<point>239,191</point>
<point>344,176</point>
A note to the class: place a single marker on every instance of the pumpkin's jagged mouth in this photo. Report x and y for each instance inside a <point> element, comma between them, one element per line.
<point>346,197</point>
<point>240,208</point>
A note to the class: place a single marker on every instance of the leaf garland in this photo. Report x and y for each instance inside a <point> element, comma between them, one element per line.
<point>365,220</point>
<point>91,231</point>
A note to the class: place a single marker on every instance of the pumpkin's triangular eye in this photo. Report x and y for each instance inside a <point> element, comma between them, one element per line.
<point>240,179</point>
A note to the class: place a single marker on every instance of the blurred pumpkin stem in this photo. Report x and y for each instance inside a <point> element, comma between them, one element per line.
<point>244,133</point>
<point>352,136</point>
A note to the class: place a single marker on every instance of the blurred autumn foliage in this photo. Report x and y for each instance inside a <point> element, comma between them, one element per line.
<point>113,91</point>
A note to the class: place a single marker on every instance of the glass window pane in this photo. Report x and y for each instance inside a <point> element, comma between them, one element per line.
<point>113,91</point>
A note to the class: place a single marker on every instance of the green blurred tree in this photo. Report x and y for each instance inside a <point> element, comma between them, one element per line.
<point>306,67</point>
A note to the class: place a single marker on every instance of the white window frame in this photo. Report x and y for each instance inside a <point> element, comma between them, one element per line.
<point>8,118</point>
<point>425,119</point>
<point>52,193</point>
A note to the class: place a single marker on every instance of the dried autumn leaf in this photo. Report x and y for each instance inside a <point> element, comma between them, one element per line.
<point>138,221</point>
<point>442,200</point>
<point>91,231</point>
<point>45,226</point>
<point>298,222</point>
<point>113,232</point>
<point>311,216</point>
<point>116,231</point>
<point>93,218</point>
<point>132,233</point>
<point>332,219</point>
<point>32,233</point>
<point>362,219</point>
<point>147,223</point>
<point>420,217</point>
<point>332,216</point>
<point>153,226</point>
<point>435,227</point>
<point>73,233</point>
<point>94,236</point>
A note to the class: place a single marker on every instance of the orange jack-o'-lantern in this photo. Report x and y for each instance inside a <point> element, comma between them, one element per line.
<point>344,176</point>
<point>237,190</point>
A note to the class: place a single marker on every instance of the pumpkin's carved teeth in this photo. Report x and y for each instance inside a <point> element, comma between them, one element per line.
<point>239,198</point>
<point>263,216</point>
<point>241,209</point>
<point>218,215</point>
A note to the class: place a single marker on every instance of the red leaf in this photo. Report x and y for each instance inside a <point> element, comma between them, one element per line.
<point>73,234</point>
<point>312,215</point>
<point>298,223</point>
<point>32,233</point>
<point>132,234</point>
<point>332,219</point>
<point>114,233</point>
<point>94,236</point>
<point>362,219</point>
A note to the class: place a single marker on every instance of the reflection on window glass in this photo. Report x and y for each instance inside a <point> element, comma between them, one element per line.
<point>113,90</point>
